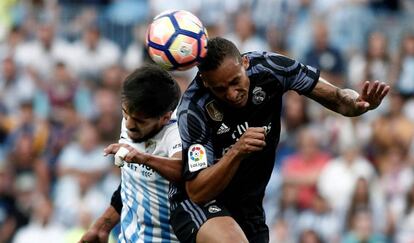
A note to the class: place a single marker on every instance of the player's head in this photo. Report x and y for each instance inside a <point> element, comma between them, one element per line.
<point>149,97</point>
<point>223,72</point>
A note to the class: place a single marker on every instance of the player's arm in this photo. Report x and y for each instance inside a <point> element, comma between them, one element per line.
<point>169,168</point>
<point>100,230</point>
<point>212,180</point>
<point>348,102</point>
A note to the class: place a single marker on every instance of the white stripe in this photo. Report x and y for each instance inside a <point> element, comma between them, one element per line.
<point>192,214</point>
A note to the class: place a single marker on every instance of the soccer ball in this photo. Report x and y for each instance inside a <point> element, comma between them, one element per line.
<point>176,40</point>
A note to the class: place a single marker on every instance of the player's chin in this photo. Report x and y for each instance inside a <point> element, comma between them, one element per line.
<point>239,104</point>
<point>135,136</point>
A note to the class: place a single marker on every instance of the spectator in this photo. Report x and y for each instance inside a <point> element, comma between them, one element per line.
<point>369,197</point>
<point>338,178</point>
<point>302,168</point>
<point>321,219</point>
<point>41,54</point>
<point>13,39</point>
<point>80,167</point>
<point>361,229</point>
<point>310,236</point>
<point>403,70</point>
<point>94,53</point>
<point>392,128</point>
<point>326,57</point>
<point>15,85</point>
<point>245,36</point>
<point>375,64</point>
<point>41,228</point>
<point>395,177</point>
<point>405,226</point>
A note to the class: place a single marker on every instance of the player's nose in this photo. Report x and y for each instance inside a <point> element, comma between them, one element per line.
<point>232,95</point>
<point>129,124</point>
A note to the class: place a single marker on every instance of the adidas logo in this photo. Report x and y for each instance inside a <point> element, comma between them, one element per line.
<point>223,129</point>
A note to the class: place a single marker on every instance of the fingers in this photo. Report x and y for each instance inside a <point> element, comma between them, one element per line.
<point>384,92</point>
<point>372,96</point>
<point>365,88</point>
<point>130,156</point>
<point>111,149</point>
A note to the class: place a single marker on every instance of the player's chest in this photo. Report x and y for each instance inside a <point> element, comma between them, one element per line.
<point>139,171</point>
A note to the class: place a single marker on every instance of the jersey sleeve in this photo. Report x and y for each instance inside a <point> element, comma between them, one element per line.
<point>173,141</point>
<point>292,74</point>
<point>197,146</point>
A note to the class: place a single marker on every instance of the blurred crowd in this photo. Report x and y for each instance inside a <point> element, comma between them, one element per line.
<point>336,179</point>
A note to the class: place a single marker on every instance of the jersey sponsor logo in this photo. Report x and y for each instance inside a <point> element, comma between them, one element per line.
<point>214,209</point>
<point>223,129</point>
<point>214,113</point>
<point>197,157</point>
<point>177,146</point>
<point>258,96</point>
<point>150,146</point>
<point>239,131</point>
<point>144,170</point>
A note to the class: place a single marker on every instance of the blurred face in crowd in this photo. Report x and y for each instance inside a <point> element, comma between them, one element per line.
<point>320,35</point>
<point>9,68</point>
<point>46,35</point>
<point>91,37</point>
<point>139,126</point>
<point>229,82</point>
<point>409,45</point>
<point>362,224</point>
<point>88,137</point>
<point>377,46</point>
<point>244,25</point>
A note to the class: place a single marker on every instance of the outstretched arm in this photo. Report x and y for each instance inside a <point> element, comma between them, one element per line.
<point>348,102</point>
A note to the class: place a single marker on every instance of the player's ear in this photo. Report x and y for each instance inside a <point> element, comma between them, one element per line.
<point>204,80</point>
<point>165,119</point>
<point>245,62</point>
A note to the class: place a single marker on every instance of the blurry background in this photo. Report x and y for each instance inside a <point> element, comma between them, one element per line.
<point>336,179</point>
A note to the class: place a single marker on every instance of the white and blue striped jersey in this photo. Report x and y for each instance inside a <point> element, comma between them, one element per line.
<point>145,207</point>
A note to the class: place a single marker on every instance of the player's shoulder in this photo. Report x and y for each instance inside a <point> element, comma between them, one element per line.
<point>269,59</point>
<point>169,131</point>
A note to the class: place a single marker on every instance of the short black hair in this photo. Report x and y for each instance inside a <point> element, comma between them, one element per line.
<point>217,50</point>
<point>151,91</point>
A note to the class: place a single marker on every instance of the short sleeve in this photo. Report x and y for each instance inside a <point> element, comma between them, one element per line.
<point>291,74</point>
<point>197,147</point>
<point>173,141</point>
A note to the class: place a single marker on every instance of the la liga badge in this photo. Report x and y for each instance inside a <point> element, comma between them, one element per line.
<point>197,157</point>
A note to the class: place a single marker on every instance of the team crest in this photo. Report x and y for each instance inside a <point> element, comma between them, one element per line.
<point>214,113</point>
<point>150,146</point>
<point>258,96</point>
<point>214,209</point>
<point>197,157</point>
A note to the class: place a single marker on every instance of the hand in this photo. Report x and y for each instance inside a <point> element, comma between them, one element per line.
<point>251,141</point>
<point>134,156</point>
<point>372,98</point>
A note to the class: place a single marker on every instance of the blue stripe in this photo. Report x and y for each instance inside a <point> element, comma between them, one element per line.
<point>147,214</point>
<point>132,210</point>
<point>162,192</point>
<point>127,220</point>
<point>136,204</point>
